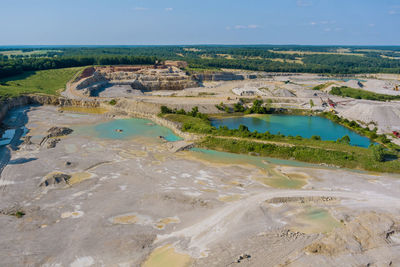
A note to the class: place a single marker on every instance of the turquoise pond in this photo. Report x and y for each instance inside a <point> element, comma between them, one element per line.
<point>131,128</point>
<point>305,126</point>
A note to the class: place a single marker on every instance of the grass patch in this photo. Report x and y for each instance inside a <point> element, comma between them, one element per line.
<point>339,153</point>
<point>49,82</point>
<point>363,159</point>
<point>361,94</point>
<point>322,86</point>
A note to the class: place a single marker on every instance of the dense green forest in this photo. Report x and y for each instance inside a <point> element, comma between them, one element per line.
<point>312,59</point>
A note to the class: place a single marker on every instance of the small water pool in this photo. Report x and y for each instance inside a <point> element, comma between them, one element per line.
<point>305,126</point>
<point>126,129</point>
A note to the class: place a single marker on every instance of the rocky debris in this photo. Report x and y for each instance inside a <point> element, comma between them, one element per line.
<point>385,115</point>
<point>243,257</point>
<point>179,146</point>
<point>138,78</point>
<point>26,140</point>
<point>367,231</point>
<point>222,76</point>
<point>51,143</point>
<point>15,210</point>
<point>288,234</point>
<point>283,93</point>
<point>55,179</point>
<point>54,132</point>
<point>59,131</point>
<point>277,200</point>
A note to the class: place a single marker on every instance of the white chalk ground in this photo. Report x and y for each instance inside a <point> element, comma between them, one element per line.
<point>140,196</point>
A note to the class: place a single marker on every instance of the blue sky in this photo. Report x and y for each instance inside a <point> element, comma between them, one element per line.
<point>142,22</point>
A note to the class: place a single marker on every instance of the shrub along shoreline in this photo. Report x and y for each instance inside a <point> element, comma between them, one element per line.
<point>313,150</point>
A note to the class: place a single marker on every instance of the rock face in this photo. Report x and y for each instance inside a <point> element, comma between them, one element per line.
<point>139,78</point>
<point>53,132</point>
<point>8,104</point>
<point>59,131</point>
<point>55,179</point>
<point>223,76</point>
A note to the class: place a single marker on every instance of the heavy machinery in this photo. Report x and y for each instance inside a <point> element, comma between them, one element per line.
<point>323,103</point>
<point>331,103</point>
<point>396,133</point>
<point>396,88</point>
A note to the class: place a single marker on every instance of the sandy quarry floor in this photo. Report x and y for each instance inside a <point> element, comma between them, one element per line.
<point>133,202</point>
<point>292,91</point>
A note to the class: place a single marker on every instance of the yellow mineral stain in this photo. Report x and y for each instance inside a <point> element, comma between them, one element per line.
<point>167,256</point>
<point>159,157</point>
<point>126,219</point>
<point>84,110</point>
<point>201,182</point>
<point>277,179</point>
<point>79,177</point>
<point>169,220</point>
<point>208,190</point>
<point>165,221</point>
<point>230,198</point>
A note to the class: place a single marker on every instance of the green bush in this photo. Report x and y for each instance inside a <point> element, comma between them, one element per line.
<point>361,94</point>
<point>378,153</point>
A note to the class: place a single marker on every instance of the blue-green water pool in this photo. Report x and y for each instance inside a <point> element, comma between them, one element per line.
<point>121,129</point>
<point>305,126</point>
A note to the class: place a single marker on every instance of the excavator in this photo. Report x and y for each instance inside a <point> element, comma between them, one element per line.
<point>396,88</point>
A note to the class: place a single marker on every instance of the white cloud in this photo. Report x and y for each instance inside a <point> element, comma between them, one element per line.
<point>140,8</point>
<point>253,26</point>
<point>169,9</point>
<point>323,22</point>
<point>371,25</point>
<point>395,10</point>
<point>243,27</point>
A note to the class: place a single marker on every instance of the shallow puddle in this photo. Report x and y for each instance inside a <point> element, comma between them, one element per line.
<point>125,129</point>
<point>167,256</point>
<point>315,220</point>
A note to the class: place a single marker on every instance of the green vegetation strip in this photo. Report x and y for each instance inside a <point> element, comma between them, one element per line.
<point>49,82</point>
<point>361,94</point>
<point>338,153</point>
<point>364,159</point>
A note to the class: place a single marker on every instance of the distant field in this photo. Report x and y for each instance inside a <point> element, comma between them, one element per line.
<point>293,52</point>
<point>26,53</point>
<point>49,82</point>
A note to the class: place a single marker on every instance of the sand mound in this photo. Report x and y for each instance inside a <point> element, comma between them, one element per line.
<point>367,231</point>
<point>283,93</point>
<point>385,115</point>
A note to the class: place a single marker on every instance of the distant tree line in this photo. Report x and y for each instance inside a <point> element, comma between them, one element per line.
<point>11,67</point>
<point>249,57</point>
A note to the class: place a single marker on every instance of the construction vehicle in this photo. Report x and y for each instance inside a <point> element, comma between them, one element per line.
<point>333,111</point>
<point>396,88</point>
<point>323,103</point>
<point>331,103</point>
<point>396,133</point>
